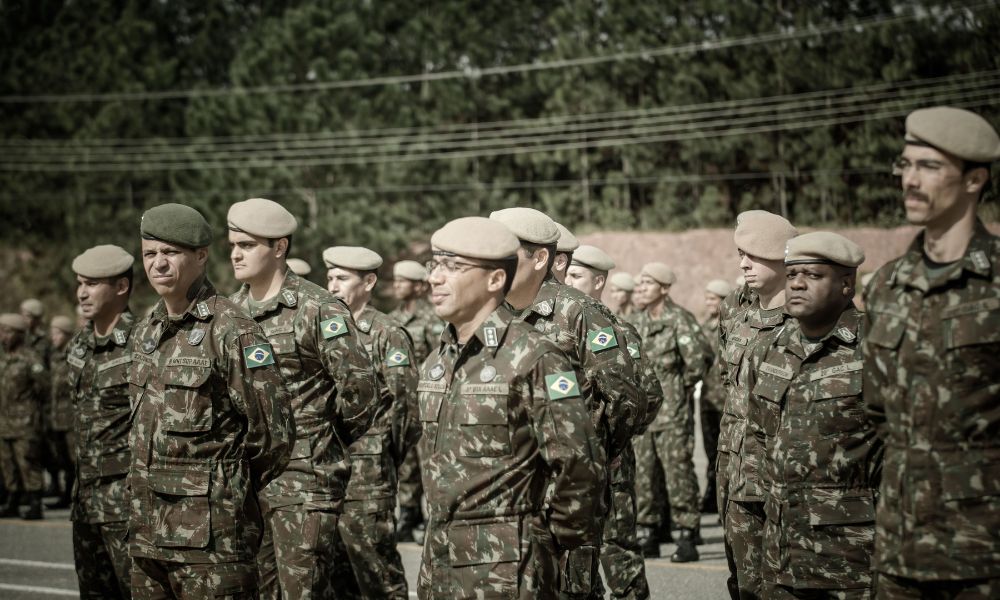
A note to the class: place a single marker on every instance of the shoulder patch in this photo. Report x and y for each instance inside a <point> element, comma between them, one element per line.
<point>258,355</point>
<point>602,339</point>
<point>633,350</point>
<point>397,357</point>
<point>562,385</point>
<point>333,327</point>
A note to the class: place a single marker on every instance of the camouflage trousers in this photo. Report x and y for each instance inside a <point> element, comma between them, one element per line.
<point>368,564</point>
<point>743,524</point>
<point>297,554</point>
<point>103,565</point>
<point>669,453</point>
<point>411,489</point>
<point>21,463</point>
<point>891,587</point>
<point>162,580</point>
<point>711,419</point>
<point>773,591</point>
<point>624,565</point>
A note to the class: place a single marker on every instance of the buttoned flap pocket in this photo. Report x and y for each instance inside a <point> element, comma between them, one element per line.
<point>482,422</point>
<point>838,401</point>
<point>302,450</point>
<point>484,543</point>
<point>111,381</point>
<point>972,323</point>
<point>367,445</point>
<point>840,508</point>
<point>282,339</point>
<point>766,403</point>
<point>114,463</point>
<point>736,346</point>
<point>970,480</point>
<point>139,370</point>
<point>429,396</point>
<point>187,403</point>
<point>182,512</point>
<point>887,329</point>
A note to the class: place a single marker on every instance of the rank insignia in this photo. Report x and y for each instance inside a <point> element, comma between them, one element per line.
<point>979,260</point>
<point>258,355</point>
<point>602,339</point>
<point>202,310</point>
<point>487,374</point>
<point>289,296</point>
<point>846,335</point>
<point>544,309</point>
<point>436,372</point>
<point>120,337</point>
<point>562,385</point>
<point>397,358</point>
<point>490,333</point>
<point>333,327</point>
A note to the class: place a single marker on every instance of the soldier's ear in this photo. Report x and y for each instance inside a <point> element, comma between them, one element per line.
<point>599,281</point>
<point>495,280</point>
<point>370,280</point>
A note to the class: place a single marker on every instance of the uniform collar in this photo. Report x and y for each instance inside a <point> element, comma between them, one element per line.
<point>490,333</point>
<point>366,319</point>
<point>911,270</point>
<point>846,331</point>
<point>201,308</point>
<point>288,295</point>
<point>544,303</point>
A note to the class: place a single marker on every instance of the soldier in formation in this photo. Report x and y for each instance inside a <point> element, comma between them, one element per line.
<point>712,398</point>
<point>58,420</point>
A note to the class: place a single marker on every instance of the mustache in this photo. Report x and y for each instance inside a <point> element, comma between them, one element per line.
<point>914,195</point>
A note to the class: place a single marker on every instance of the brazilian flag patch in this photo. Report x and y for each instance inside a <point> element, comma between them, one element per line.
<point>397,357</point>
<point>562,385</point>
<point>333,327</point>
<point>633,350</point>
<point>258,355</point>
<point>602,339</point>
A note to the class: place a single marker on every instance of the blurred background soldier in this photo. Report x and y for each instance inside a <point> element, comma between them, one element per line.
<point>59,412</point>
<point>620,288</point>
<point>565,247</point>
<point>37,337</point>
<point>299,267</point>
<point>713,395</point>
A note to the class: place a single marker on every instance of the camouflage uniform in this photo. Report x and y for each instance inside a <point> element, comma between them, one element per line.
<point>680,357</point>
<point>59,418</point>
<point>823,461</point>
<point>711,402</point>
<point>211,426</point>
<point>741,494</point>
<point>329,379</point>
<point>367,528</point>
<point>513,469</point>
<point>932,379</point>
<point>96,382</point>
<point>22,376</point>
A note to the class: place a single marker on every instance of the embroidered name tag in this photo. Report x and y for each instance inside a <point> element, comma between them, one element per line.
<point>776,371</point>
<point>74,361</point>
<point>143,359</point>
<point>969,308</point>
<point>188,361</point>
<point>279,329</point>
<point>485,389</point>
<point>836,370</point>
<point>121,360</point>
<point>432,386</point>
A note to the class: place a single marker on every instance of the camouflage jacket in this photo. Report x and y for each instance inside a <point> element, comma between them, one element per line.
<point>649,383</point>
<point>328,376</point>
<point>97,385</point>
<point>584,329</point>
<point>376,455</point>
<point>932,379</point>
<point>40,342</point>
<point>713,393</point>
<point>744,323</point>
<point>823,458</point>
<point>211,426</point>
<point>22,376</point>
<point>507,435</point>
<point>59,408</point>
<point>423,325</point>
<point>680,356</point>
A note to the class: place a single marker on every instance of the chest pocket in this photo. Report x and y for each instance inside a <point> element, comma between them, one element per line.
<point>769,397</point>
<point>481,419</point>
<point>887,328</point>
<point>187,401</point>
<point>282,340</point>
<point>972,323</point>
<point>112,381</point>
<point>837,400</point>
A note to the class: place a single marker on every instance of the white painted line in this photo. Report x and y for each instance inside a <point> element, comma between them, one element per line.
<point>39,590</point>
<point>37,564</point>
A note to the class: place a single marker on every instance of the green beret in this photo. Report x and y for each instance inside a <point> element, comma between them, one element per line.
<point>528,224</point>
<point>176,224</point>
<point>103,261</point>
<point>33,306</point>
<point>763,234</point>
<point>823,247</point>
<point>299,266</point>
<point>567,241</point>
<point>355,258</point>
<point>262,218</point>
<point>594,258</point>
<point>476,237</point>
<point>13,321</point>
<point>409,269</point>
<point>719,288</point>
<point>958,132</point>
<point>622,281</point>
<point>62,323</point>
<point>660,272</point>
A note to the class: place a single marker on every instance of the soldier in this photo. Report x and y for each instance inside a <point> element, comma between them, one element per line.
<point>211,424</point>
<point>806,409</point>
<point>21,379</point>
<point>932,371</point>
<point>746,315</point>
<point>59,410</point>
<point>512,465</point>
<point>327,373</point>
<point>37,337</point>
<point>367,529</point>
<point>96,381</point>
<point>713,395</point>
<point>565,247</point>
<point>416,314</point>
<point>33,310</point>
<point>680,356</point>
<point>621,555</point>
<point>620,288</point>
<point>299,267</point>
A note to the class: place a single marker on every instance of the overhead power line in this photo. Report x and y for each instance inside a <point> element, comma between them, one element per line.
<point>475,73</point>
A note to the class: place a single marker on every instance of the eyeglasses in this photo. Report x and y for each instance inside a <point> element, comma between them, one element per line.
<point>928,167</point>
<point>451,266</point>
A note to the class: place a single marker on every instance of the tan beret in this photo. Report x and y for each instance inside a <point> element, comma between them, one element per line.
<point>299,266</point>
<point>823,247</point>
<point>103,261</point>
<point>763,234</point>
<point>409,269</point>
<point>622,281</point>
<point>476,237</point>
<point>14,321</point>
<point>62,323</point>
<point>567,241</point>
<point>719,288</point>
<point>593,257</point>
<point>352,257</point>
<point>958,132</point>
<point>659,272</point>
<point>33,306</point>
<point>528,224</point>
<point>262,218</point>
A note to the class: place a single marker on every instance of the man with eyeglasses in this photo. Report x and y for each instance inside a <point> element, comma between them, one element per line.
<point>513,469</point>
<point>932,370</point>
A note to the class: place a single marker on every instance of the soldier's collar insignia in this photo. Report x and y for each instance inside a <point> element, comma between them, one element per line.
<point>289,297</point>
<point>544,308</point>
<point>602,339</point>
<point>202,310</point>
<point>333,327</point>
<point>195,336</point>
<point>258,355</point>
<point>487,374</point>
<point>120,337</point>
<point>436,372</point>
<point>397,358</point>
<point>80,351</point>
<point>846,334</point>
<point>490,334</point>
<point>562,385</point>
<point>364,325</point>
<point>979,260</point>
<point>148,345</point>
<point>633,350</point>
